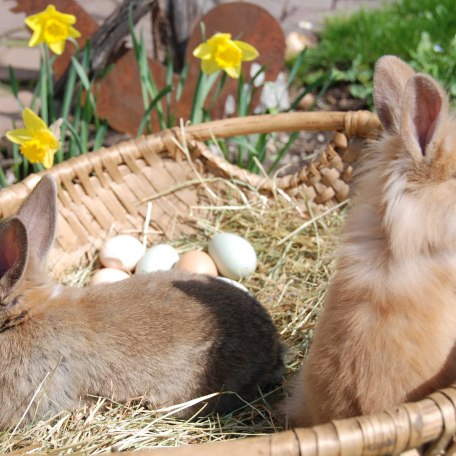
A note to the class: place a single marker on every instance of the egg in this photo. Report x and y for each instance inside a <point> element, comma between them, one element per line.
<point>198,262</point>
<point>234,283</point>
<point>108,275</point>
<point>121,252</point>
<point>233,255</point>
<point>160,257</point>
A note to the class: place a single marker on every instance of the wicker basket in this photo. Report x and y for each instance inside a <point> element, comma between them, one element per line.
<point>109,189</point>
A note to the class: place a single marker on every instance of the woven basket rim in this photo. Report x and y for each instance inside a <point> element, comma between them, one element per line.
<point>363,124</point>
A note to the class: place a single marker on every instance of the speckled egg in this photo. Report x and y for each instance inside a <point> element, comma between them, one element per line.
<point>121,252</point>
<point>160,257</point>
<point>233,255</point>
<point>108,275</point>
<point>198,262</point>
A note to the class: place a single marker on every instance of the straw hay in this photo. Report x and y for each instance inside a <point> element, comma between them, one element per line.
<point>290,281</point>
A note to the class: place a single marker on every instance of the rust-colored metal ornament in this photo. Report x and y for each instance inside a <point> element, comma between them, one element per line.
<point>118,95</point>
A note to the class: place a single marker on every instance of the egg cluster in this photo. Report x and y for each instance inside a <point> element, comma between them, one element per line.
<point>230,257</point>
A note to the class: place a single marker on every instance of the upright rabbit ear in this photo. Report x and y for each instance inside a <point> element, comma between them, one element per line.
<point>13,252</point>
<point>38,213</point>
<point>390,78</point>
<point>424,105</point>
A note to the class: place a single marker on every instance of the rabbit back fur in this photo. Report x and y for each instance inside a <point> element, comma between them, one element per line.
<point>386,334</point>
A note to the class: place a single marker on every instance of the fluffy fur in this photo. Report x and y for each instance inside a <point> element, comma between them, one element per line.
<point>387,331</point>
<point>166,337</point>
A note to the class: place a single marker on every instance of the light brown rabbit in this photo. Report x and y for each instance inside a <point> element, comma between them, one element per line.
<point>167,337</point>
<point>387,331</point>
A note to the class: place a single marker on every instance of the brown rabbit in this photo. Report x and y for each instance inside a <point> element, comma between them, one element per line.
<point>167,337</point>
<point>387,331</point>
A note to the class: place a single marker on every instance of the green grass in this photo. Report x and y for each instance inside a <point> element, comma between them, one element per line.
<point>421,32</point>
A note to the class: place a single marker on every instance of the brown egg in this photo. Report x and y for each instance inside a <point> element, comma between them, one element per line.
<point>108,275</point>
<point>198,262</point>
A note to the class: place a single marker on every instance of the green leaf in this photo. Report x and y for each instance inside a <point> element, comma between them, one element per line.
<point>100,135</point>
<point>68,92</point>
<point>203,87</point>
<point>218,89</point>
<point>3,179</point>
<point>296,67</point>
<point>14,84</point>
<point>181,82</point>
<point>75,139</point>
<point>151,106</point>
<point>293,137</point>
<point>81,73</point>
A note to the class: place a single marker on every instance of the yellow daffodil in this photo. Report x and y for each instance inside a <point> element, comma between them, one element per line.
<point>53,28</point>
<point>37,142</point>
<point>220,52</point>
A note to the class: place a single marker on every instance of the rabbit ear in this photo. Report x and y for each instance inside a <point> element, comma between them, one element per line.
<point>38,213</point>
<point>13,252</point>
<point>423,107</point>
<point>391,76</point>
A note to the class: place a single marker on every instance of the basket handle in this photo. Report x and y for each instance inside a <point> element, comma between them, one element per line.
<point>354,123</point>
<point>348,124</point>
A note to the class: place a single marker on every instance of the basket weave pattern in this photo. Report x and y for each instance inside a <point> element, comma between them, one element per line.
<point>107,190</point>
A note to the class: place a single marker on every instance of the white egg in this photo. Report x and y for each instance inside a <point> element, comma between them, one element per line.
<point>161,257</point>
<point>121,252</point>
<point>108,275</point>
<point>234,283</point>
<point>233,255</point>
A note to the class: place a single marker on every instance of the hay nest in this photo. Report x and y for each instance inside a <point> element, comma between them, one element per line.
<point>295,258</point>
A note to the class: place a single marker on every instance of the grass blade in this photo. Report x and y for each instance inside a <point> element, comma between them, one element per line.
<point>297,64</point>
<point>293,137</point>
<point>323,81</point>
<point>218,89</point>
<point>100,135</point>
<point>75,139</point>
<point>3,179</point>
<point>69,91</point>
<point>81,73</point>
<point>14,84</point>
<point>163,92</point>
<point>181,82</point>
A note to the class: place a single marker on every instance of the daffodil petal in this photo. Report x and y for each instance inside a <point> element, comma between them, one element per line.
<point>58,47</point>
<point>73,32</point>
<point>32,121</point>
<point>68,19</point>
<point>248,51</point>
<point>203,51</point>
<point>36,39</point>
<point>209,66</point>
<point>233,72</point>
<point>48,160</point>
<point>33,21</point>
<point>19,136</point>
<point>219,37</point>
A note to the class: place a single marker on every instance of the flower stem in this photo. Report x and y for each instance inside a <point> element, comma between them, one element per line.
<point>203,87</point>
<point>44,85</point>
